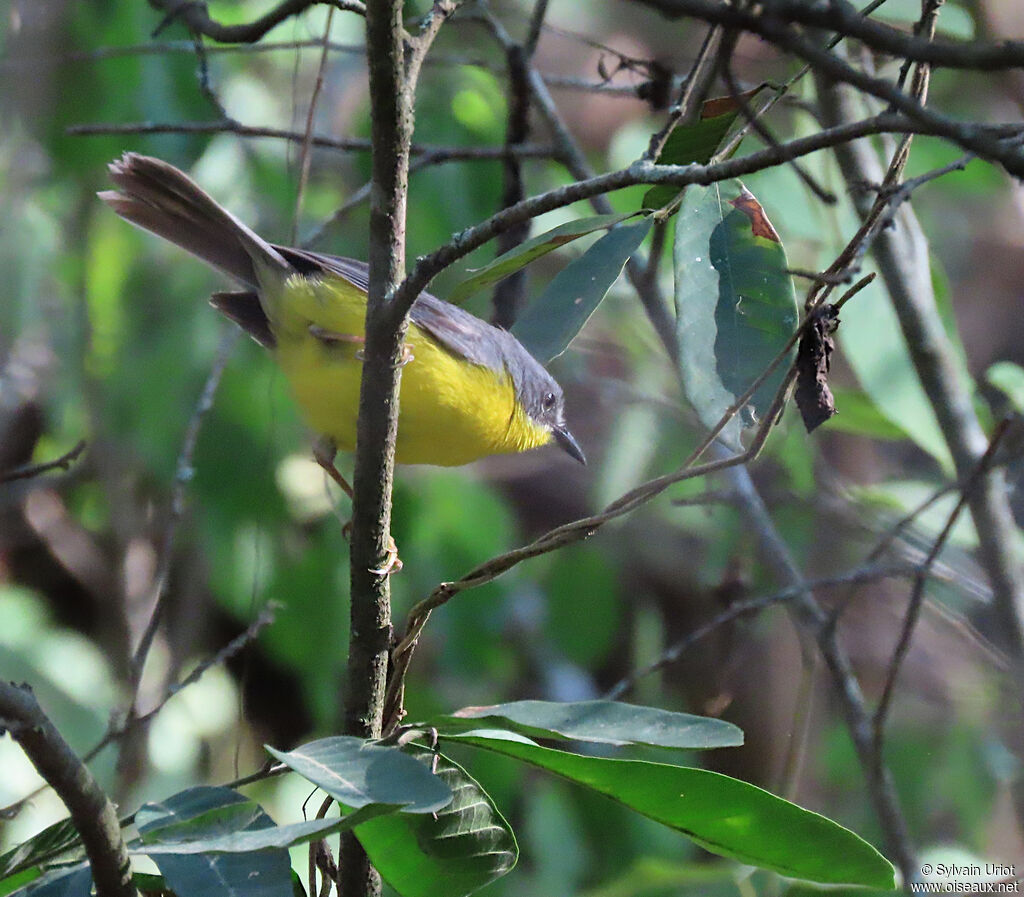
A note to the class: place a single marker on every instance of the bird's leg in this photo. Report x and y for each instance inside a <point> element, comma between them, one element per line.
<point>324,452</point>
<point>330,336</point>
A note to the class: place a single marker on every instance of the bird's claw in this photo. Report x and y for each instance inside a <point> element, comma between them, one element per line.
<point>392,562</point>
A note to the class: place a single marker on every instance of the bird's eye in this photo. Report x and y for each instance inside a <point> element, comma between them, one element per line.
<point>548,401</point>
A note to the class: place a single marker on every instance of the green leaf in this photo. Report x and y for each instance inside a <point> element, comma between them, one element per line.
<point>531,250</point>
<point>47,844</point>
<point>697,142</point>
<point>552,320</point>
<point>275,836</point>
<point>203,811</point>
<point>859,415</point>
<point>357,773</point>
<point>201,816</point>
<point>735,303</point>
<point>874,347</point>
<point>63,881</point>
<point>724,815</point>
<point>264,873</point>
<point>461,848</point>
<point>603,722</point>
<point>800,889</point>
<point>19,880</point>
<point>1008,378</point>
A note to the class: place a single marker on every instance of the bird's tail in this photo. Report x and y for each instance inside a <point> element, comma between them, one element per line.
<point>158,197</point>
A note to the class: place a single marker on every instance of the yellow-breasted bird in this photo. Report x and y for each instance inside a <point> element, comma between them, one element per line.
<point>469,389</point>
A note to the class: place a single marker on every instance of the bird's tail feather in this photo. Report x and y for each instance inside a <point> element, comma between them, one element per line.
<point>158,197</point>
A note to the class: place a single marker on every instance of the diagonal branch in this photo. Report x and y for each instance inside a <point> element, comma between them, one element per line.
<point>92,813</point>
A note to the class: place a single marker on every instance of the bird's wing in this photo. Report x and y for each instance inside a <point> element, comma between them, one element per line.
<point>458,331</point>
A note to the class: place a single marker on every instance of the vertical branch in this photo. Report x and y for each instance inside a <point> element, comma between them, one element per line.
<point>391,132</point>
<point>510,293</point>
<point>901,252</point>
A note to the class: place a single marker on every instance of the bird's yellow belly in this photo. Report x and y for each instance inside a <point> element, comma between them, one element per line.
<point>451,411</point>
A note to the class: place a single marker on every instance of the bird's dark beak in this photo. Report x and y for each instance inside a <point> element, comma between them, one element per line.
<point>568,442</point>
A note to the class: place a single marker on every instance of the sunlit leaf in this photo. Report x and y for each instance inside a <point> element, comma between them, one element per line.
<point>603,722</point>
<point>452,852</point>
<point>206,815</point>
<point>530,250</point>
<point>67,881</point>
<point>1008,378</point>
<point>724,815</point>
<point>48,843</point>
<point>735,303</point>
<point>697,142</point>
<point>552,320</point>
<point>359,773</point>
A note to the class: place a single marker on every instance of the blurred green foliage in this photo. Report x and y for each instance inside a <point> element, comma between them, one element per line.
<point>107,332</point>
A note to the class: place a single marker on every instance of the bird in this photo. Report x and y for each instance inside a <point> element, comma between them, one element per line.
<point>468,389</point>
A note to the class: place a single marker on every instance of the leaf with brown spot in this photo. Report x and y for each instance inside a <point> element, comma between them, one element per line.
<point>759,223</point>
<point>697,142</point>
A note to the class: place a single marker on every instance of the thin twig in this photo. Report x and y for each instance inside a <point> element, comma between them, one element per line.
<point>910,618</point>
<point>566,534</point>
<point>307,156</point>
<point>182,477</point>
<point>696,86</point>
<point>197,19</point>
<point>30,471</point>
<point>438,154</point>
<point>865,573</point>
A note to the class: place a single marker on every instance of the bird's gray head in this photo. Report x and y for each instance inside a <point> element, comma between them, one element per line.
<point>543,401</point>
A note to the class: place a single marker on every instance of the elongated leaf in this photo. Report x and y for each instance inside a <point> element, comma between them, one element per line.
<point>47,844</point>
<point>264,838</point>
<point>531,250</point>
<point>359,773</point>
<point>697,142</point>
<point>603,722</point>
<point>207,814</point>
<point>723,815</point>
<point>735,303</point>
<point>69,881</point>
<point>203,811</point>
<point>552,320</point>
<point>264,873</point>
<point>1009,379</point>
<point>19,880</point>
<point>461,848</point>
<point>861,416</point>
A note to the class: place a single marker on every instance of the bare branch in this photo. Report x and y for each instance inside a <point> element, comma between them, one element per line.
<point>196,18</point>
<point>844,18</point>
<point>91,811</point>
<point>864,574</point>
<point>981,469</point>
<point>437,154</point>
<point>30,471</point>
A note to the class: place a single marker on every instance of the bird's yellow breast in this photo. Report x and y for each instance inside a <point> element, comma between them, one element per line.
<point>451,410</point>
